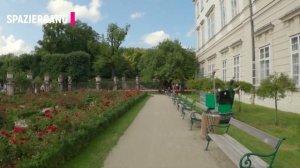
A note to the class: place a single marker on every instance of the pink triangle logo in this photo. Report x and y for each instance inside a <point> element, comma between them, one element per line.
<point>72,18</point>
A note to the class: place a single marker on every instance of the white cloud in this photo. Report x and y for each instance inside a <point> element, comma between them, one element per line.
<point>12,45</point>
<point>155,37</point>
<point>137,15</point>
<point>63,7</point>
<point>190,32</point>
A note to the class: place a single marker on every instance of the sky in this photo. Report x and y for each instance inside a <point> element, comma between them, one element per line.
<point>151,21</point>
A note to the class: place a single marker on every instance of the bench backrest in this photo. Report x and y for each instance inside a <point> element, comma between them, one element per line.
<point>266,138</point>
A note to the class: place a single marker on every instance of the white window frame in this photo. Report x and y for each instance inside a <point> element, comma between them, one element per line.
<point>223,13</point>
<point>224,70</point>
<point>203,34</point>
<point>211,25</point>
<point>234,8</point>
<point>236,67</point>
<point>211,68</point>
<point>264,71</point>
<point>295,50</point>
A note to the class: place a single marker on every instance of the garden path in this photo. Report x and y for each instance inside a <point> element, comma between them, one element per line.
<point>159,138</point>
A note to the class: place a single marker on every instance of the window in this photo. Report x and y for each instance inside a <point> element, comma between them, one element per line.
<point>211,68</point>
<point>224,65</point>
<point>203,34</point>
<point>295,42</point>
<point>234,8</point>
<point>211,25</point>
<point>264,62</point>
<point>223,13</point>
<point>201,70</point>
<point>236,67</point>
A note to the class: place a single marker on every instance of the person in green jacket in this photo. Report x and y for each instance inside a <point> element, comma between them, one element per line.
<point>232,90</point>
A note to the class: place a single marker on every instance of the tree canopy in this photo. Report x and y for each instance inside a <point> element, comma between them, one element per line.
<point>167,62</point>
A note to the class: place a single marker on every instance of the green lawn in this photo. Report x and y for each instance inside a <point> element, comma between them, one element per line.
<point>95,153</point>
<point>263,119</point>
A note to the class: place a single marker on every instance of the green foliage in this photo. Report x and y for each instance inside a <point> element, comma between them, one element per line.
<point>110,48</point>
<point>275,87</point>
<point>74,64</point>
<point>245,86</point>
<point>205,84</point>
<point>168,61</point>
<point>64,38</point>
<point>21,81</point>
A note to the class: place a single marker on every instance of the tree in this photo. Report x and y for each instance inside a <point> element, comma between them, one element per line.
<point>63,38</point>
<point>110,48</point>
<point>275,87</point>
<point>167,62</point>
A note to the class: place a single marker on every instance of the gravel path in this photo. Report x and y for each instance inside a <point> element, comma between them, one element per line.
<point>159,138</point>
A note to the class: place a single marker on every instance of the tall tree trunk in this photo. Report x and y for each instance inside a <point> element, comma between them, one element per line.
<point>113,71</point>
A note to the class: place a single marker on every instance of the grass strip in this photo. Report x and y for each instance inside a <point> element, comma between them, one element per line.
<point>96,152</point>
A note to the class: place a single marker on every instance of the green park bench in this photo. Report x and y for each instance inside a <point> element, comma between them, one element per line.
<point>239,154</point>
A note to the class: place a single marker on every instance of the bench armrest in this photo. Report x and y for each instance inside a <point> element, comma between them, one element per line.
<point>246,162</point>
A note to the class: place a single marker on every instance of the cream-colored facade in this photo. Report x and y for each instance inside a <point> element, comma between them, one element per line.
<point>224,42</point>
<point>276,23</point>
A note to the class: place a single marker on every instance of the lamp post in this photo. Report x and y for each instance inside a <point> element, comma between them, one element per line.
<point>60,83</point>
<point>46,80</point>
<point>9,84</point>
<point>98,80</point>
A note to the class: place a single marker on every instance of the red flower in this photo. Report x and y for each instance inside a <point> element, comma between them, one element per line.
<point>51,128</point>
<point>39,134</point>
<point>19,129</point>
<point>3,132</point>
<point>13,141</point>
<point>66,120</point>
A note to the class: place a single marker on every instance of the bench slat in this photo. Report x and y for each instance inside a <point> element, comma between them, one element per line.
<point>268,139</point>
<point>234,150</point>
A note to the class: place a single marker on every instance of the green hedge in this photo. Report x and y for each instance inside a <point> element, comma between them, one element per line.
<point>70,146</point>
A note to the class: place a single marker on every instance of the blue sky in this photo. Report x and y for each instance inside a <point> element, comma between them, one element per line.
<point>151,20</point>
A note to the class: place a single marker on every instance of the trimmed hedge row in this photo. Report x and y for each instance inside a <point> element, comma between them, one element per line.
<point>70,146</point>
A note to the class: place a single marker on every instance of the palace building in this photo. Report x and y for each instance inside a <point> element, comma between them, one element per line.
<point>226,39</point>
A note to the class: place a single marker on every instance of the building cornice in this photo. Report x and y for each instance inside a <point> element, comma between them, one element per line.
<point>291,14</point>
<point>224,50</point>
<point>264,29</point>
<point>237,43</point>
<point>211,57</point>
<point>210,10</point>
